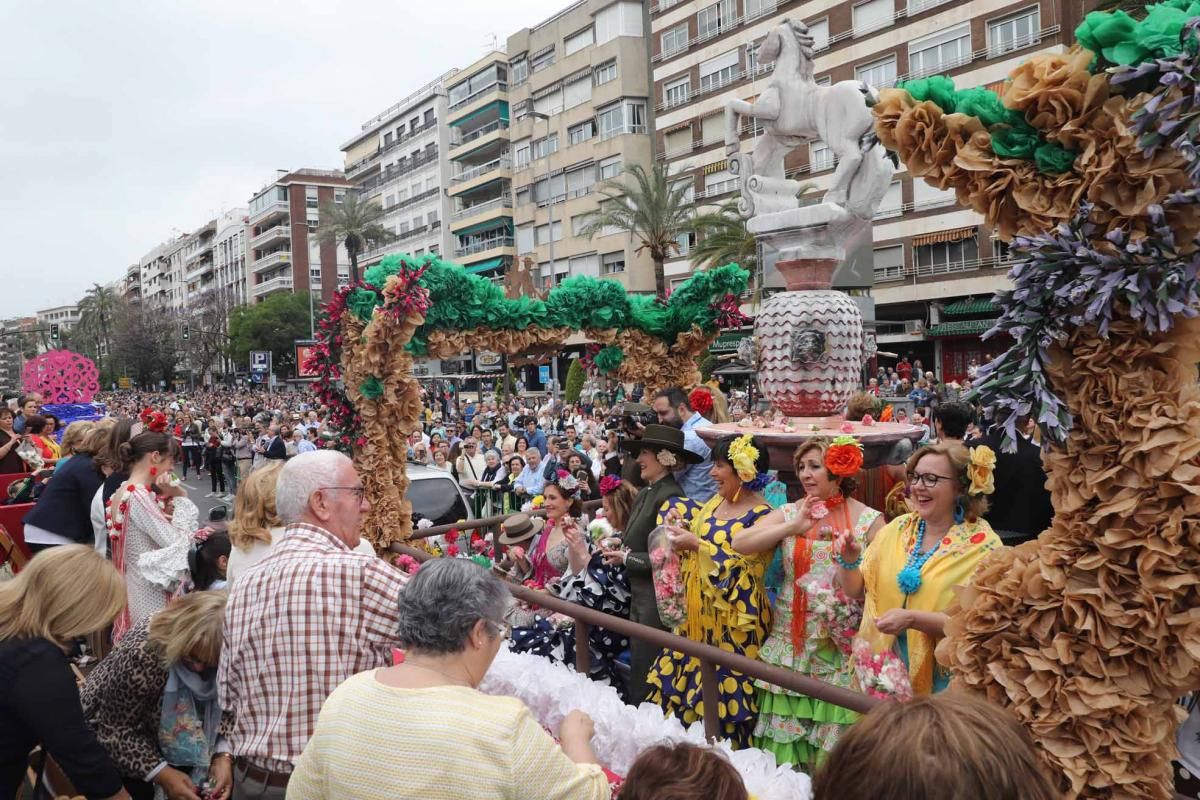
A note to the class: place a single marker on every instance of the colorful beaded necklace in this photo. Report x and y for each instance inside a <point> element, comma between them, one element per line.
<point>909,578</point>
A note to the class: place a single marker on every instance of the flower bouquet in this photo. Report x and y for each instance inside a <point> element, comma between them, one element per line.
<point>837,614</point>
<point>881,675</point>
<point>668,579</point>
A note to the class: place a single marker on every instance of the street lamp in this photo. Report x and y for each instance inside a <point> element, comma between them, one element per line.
<point>312,318</point>
<point>549,225</point>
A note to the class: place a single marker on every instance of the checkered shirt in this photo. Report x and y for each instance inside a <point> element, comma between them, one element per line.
<point>297,624</point>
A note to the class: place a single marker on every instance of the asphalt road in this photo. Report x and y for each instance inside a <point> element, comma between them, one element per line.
<point>197,489</point>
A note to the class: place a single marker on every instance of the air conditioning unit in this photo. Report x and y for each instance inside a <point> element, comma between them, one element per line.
<point>914,327</point>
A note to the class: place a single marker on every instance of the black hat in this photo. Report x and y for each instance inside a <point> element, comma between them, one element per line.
<point>662,437</point>
<point>520,528</point>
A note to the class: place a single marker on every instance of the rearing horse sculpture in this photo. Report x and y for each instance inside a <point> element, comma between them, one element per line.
<point>795,110</point>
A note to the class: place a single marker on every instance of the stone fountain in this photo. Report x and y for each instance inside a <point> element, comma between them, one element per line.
<point>809,339</point>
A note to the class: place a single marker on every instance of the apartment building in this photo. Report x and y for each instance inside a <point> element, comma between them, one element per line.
<point>283,254</point>
<point>398,159</point>
<point>131,287</point>
<point>199,273</point>
<point>229,257</point>
<point>480,167</point>
<point>14,335</point>
<point>930,257</point>
<point>579,86</point>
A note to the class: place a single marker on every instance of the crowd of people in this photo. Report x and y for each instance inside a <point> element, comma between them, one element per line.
<point>371,688</point>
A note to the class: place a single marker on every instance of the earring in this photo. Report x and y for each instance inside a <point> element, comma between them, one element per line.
<point>153,471</point>
<point>960,513</point>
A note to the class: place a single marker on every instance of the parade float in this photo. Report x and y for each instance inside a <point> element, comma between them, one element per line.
<point>66,382</point>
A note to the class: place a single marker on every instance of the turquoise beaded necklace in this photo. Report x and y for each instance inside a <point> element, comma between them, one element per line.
<point>909,578</point>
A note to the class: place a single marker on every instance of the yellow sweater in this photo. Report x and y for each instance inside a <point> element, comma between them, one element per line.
<point>376,742</point>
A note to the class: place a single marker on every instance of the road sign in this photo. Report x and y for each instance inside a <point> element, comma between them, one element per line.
<point>124,382</point>
<point>544,373</point>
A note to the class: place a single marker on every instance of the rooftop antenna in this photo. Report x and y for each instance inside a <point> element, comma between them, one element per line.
<point>494,44</point>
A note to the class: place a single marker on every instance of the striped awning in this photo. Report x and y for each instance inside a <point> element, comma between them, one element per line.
<point>717,167</point>
<point>546,91</point>
<point>971,306</point>
<point>956,235</point>
<point>997,86</point>
<point>678,127</point>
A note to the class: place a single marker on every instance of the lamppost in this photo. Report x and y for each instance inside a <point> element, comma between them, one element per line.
<point>549,227</point>
<point>312,318</point>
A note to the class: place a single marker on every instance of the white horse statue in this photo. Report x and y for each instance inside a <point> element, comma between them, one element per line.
<point>794,110</point>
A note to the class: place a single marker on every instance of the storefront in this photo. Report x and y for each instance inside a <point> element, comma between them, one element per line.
<point>958,340</point>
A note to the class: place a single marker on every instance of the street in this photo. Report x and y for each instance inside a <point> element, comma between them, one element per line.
<point>197,488</point>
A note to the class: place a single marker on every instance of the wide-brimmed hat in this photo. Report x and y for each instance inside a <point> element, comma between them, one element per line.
<point>662,437</point>
<point>520,528</point>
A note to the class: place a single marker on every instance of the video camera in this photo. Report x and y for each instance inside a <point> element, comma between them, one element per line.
<point>635,416</point>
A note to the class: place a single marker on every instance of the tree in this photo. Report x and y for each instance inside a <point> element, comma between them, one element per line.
<point>92,335</point>
<point>207,316</point>
<point>722,238</point>
<point>650,208</point>
<point>145,343</point>
<point>575,379</point>
<point>353,224</point>
<point>274,324</point>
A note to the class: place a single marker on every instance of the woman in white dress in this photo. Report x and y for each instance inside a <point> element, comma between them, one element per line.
<point>150,523</point>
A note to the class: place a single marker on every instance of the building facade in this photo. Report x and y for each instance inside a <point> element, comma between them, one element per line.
<point>928,251</point>
<point>229,257</point>
<point>283,254</point>
<point>399,161</point>
<point>63,316</point>
<point>579,87</point>
<point>17,337</point>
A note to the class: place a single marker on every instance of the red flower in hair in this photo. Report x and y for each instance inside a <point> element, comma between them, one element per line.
<point>153,420</point>
<point>609,484</point>
<point>701,401</point>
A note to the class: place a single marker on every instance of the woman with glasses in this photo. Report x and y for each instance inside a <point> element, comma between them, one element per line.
<point>910,570</point>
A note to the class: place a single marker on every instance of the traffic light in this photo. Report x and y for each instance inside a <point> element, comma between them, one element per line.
<point>54,331</point>
<point>186,332</point>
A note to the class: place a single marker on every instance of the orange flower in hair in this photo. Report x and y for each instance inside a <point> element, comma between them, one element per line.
<point>844,458</point>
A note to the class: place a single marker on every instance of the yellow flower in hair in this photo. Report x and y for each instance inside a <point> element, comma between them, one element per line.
<point>981,470</point>
<point>744,457</point>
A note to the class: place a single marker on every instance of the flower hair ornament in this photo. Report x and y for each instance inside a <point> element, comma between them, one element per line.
<point>566,482</point>
<point>667,458</point>
<point>844,457</point>
<point>743,455</point>
<point>153,420</point>
<point>701,401</point>
<point>981,469</point>
<point>609,484</point>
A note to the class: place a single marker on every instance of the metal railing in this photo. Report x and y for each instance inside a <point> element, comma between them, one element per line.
<point>400,170</point>
<point>499,86</point>
<point>622,131</point>
<point>710,657</point>
<point>457,138</point>
<point>474,172</point>
<point>486,244</point>
<point>270,233</point>
<point>480,208</point>
<point>408,201</point>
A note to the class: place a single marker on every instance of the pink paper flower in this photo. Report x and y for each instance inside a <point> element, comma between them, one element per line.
<point>452,550</point>
<point>847,427</point>
<point>517,552</point>
<point>868,420</point>
<point>818,510</point>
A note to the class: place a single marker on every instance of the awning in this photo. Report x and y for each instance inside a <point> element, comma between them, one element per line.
<point>491,224</point>
<point>678,127</point>
<point>961,327</point>
<point>495,104</point>
<point>717,167</point>
<point>484,266</point>
<point>997,86</point>
<point>956,235</point>
<point>971,306</point>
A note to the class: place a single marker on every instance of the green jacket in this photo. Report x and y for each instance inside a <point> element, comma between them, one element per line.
<point>643,518</point>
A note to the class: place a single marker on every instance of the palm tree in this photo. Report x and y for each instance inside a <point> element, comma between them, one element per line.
<point>96,311</point>
<point>722,238</point>
<point>353,224</point>
<point>648,206</point>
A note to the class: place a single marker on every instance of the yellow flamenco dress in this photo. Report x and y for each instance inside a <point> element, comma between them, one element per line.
<point>727,607</point>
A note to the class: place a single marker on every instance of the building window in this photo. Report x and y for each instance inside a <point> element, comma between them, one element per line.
<point>612,263</point>
<point>605,73</point>
<point>580,181</point>
<point>577,41</point>
<point>578,223</point>
<point>542,233</point>
<point>676,92</point>
<point>581,132</point>
<point>878,74</point>
<point>941,51</point>
<point>520,71</point>
<point>941,257</point>
<point>873,15</point>
<point>310,196</point>
<point>339,196</point>
<point>524,238</point>
<point>674,40</point>
<point>387,139</point>
<point>756,8</point>
<point>1013,33</point>
<point>521,155</point>
<point>719,71</point>
<point>431,217</point>
<point>890,206</point>
<point>609,168</point>
<point>819,30</point>
<point>626,116</point>
<point>543,191</point>
<point>544,146</point>
<point>619,19</point>
<point>820,157</point>
<point>889,263</point>
<point>430,119</point>
<point>577,92</point>
<point>718,17</point>
<point>542,61</point>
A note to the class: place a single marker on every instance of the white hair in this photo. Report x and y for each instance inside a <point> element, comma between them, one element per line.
<point>302,475</point>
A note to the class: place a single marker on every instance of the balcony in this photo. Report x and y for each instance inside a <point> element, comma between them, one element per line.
<point>481,170</point>
<point>274,233</point>
<point>278,258</point>
<point>277,207</point>
<point>466,101</point>
<point>899,273</point>
<point>400,170</point>
<point>481,208</point>
<point>198,268</point>
<point>622,131</point>
<point>483,246</point>
<point>280,283</point>
<point>457,139</point>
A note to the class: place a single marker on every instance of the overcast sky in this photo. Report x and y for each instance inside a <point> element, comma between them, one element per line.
<point>121,121</point>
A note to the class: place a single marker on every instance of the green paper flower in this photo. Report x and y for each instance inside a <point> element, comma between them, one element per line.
<point>362,303</point>
<point>609,358</point>
<point>377,275</point>
<point>1014,142</point>
<point>371,388</point>
<point>1052,158</point>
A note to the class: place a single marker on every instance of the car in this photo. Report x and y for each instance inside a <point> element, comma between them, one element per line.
<point>435,496</point>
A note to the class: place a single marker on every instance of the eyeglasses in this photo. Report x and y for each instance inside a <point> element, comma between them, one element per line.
<point>928,480</point>
<point>359,491</point>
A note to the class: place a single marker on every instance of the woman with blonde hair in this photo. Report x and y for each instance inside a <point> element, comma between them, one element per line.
<point>153,701</point>
<point>73,440</point>
<point>40,617</point>
<point>256,523</point>
<point>982,753</point>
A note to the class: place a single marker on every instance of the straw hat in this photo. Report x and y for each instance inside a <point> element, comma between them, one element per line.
<point>520,528</point>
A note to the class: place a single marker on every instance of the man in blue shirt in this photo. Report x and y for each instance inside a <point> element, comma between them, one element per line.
<point>531,481</point>
<point>673,408</point>
<point>534,437</point>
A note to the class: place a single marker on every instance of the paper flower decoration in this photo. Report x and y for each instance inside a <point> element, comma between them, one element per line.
<point>61,376</point>
<point>743,455</point>
<point>701,401</point>
<point>667,458</point>
<point>981,470</point>
<point>609,484</point>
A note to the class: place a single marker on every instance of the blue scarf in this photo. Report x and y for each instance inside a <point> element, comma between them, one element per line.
<point>191,717</point>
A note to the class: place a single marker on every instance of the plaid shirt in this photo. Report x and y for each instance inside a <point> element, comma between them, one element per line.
<point>297,624</point>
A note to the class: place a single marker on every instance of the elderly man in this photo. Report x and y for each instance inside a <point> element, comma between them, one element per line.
<point>301,621</point>
<point>673,408</point>
<point>531,481</point>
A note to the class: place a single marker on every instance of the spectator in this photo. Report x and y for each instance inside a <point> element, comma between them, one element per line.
<point>305,440</point>
<point>63,514</point>
<point>470,465</point>
<point>191,437</point>
<point>450,620</point>
<point>208,561</point>
<point>27,406</point>
<point>504,435</point>
<point>72,439</point>
<point>212,463</point>
<point>920,395</point>
<point>35,432</point>
<point>275,448</point>
<point>514,466</point>
<point>40,619</point>
<point>983,754</point>
<point>904,369</point>
<point>533,436</point>
<point>157,682</point>
<point>683,771</point>
<point>673,408</point>
<point>340,608</point>
<point>10,462</point>
<point>1021,507</point>
<point>440,461</point>
<point>531,481</point>
<point>950,421</point>
<point>256,525</point>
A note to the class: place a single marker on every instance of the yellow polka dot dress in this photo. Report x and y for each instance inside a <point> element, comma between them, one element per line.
<point>727,607</point>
